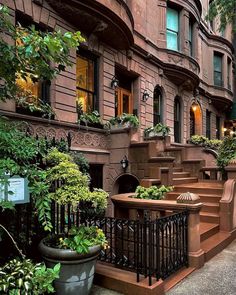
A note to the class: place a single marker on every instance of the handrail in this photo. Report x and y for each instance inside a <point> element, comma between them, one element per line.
<point>228,206</point>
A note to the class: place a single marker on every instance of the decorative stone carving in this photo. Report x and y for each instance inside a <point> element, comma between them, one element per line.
<point>193,67</point>
<point>232,162</point>
<point>188,198</point>
<point>40,131</point>
<point>79,138</point>
<point>175,59</point>
<point>51,132</point>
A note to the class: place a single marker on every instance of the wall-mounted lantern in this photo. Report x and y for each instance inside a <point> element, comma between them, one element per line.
<point>114,82</point>
<point>124,163</point>
<point>145,95</point>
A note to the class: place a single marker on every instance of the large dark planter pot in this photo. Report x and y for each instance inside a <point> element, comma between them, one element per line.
<point>77,270</point>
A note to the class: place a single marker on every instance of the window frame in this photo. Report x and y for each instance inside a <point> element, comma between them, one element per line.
<point>157,117</point>
<point>89,56</point>
<point>208,124</point>
<point>176,32</point>
<point>229,80</point>
<point>44,89</point>
<point>215,71</point>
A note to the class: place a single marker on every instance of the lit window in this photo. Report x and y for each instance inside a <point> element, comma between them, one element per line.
<point>172,29</point>
<point>36,92</point>
<point>85,82</point>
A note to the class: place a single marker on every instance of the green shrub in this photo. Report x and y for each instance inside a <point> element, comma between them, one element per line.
<point>205,142</point>
<point>26,278</point>
<point>227,152</point>
<point>152,192</point>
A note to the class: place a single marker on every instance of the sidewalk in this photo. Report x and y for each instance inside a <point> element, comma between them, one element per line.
<point>217,277</point>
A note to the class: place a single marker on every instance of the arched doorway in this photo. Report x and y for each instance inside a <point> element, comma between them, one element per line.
<point>126,183</point>
<point>177,120</point>
<point>157,105</point>
<point>195,119</point>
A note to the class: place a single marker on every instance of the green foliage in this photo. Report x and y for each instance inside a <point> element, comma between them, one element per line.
<point>31,53</point>
<point>227,152</point>
<point>127,120</point>
<point>158,128</point>
<point>92,118</point>
<point>74,186</point>
<point>205,142</point>
<point>80,239</point>
<point>152,193</point>
<point>26,278</point>
<point>81,161</point>
<point>44,109</point>
<point>7,205</point>
<point>225,10</point>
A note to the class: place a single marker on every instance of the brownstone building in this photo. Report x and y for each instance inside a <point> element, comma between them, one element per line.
<point>165,49</point>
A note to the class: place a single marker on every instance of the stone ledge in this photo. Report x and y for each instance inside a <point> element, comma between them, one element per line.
<point>125,281</point>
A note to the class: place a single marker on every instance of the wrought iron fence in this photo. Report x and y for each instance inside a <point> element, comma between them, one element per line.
<point>150,248</point>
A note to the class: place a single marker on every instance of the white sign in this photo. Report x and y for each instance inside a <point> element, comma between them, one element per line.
<point>14,189</point>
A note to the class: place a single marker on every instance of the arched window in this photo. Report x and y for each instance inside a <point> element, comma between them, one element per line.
<point>177,119</point>
<point>192,122</point>
<point>157,105</point>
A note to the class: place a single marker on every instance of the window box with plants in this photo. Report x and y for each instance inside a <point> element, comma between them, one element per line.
<point>124,121</point>
<point>159,130</point>
<point>92,119</point>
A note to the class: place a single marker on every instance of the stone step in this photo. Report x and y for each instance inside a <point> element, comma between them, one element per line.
<point>210,207</point>
<point>211,188</point>
<point>124,281</point>
<point>215,244</point>
<point>177,169</point>
<point>161,159</point>
<point>184,180</point>
<point>204,198</point>
<point>209,217</point>
<point>207,230</point>
<point>181,174</point>
<point>147,182</point>
<point>177,277</point>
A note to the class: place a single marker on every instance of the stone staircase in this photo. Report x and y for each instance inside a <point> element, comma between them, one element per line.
<point>210,192</point>
<point>184,176</point>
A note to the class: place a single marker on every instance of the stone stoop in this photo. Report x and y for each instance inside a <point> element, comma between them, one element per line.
<point>212,239</point>
<point>125,282</point>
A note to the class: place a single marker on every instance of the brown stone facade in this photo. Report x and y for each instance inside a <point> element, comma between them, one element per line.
<point>129,40</point>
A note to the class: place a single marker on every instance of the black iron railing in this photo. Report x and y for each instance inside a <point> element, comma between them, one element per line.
<point>150,248</point>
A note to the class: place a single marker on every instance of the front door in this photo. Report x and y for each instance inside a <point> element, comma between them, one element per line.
<point>123,102</point>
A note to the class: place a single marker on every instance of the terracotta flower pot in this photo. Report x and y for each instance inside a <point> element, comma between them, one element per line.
<point>77,270</point>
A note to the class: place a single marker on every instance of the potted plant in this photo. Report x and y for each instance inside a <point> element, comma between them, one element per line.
<point>157,130</point>
<point>78,249</point>
<point>124,120</point>
<point>92,119</point>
